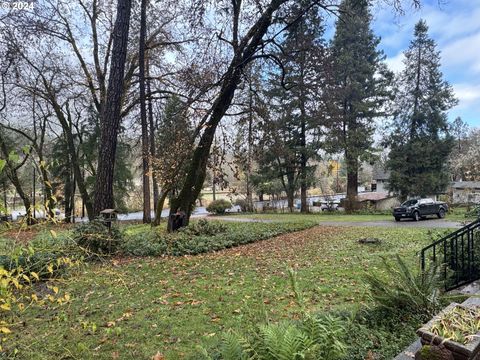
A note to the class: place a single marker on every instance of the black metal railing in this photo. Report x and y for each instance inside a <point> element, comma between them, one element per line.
<point>459,255</point>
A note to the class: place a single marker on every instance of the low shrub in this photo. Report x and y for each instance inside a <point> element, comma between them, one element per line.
<point>371,211</point>
<point>18,271</point>
<point>310,337</point>
<point>96,238</point>
<point>244,205</point>
<point>146,243</point>
<point>404,291</point>
<point>219,206</point>
<point>376,333</point>
<point>43,264</point>
<point>45,255</point>
<point>205,227</point>
<point>208,236</point>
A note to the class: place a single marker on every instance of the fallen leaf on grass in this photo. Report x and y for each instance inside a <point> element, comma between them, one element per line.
<point>158,356</point>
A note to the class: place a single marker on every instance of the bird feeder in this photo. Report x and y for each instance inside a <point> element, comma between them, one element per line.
<point>108,216</point>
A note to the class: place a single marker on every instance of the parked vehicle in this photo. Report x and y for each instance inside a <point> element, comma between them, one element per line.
<point>417,209</point>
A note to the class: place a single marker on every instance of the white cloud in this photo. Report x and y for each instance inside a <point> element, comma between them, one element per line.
<point>467,94</point>
<point>463,52</point>
<point>395,63</point>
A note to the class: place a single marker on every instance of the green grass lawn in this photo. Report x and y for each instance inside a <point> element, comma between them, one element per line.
<point>132,308</point>
<point>452,215</point>
<point>317,217</point>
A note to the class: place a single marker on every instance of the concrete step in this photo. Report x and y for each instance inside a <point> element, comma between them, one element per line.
<point>409,353</point>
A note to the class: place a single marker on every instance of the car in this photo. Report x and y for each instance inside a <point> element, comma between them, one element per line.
<point>329,206</point>
<point>417,209</point>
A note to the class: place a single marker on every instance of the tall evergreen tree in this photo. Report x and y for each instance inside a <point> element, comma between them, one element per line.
<point>291,129</point>
<point>358,90</point>
<point>420,143</point>
<point>174,141</point>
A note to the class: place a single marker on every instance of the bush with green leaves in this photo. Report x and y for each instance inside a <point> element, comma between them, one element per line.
<point>405,291</point>
<point>376,333</point>
<point>219,206</point>
<point>311,337</point>
<point>220,236</point>
<point>145,243</point>
<point>243,204</point>
<point>43,256</point>
<point>204,227</point>
<point>95,237</point>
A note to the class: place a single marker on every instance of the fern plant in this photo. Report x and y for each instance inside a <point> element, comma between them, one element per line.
<point>311,338</point>
<point>402,290</point>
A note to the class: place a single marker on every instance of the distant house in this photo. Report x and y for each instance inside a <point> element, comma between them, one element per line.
<point>381,179</point>
<point>378,200</point>
<point>464,192</point>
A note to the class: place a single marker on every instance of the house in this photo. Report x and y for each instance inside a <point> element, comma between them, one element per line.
<point>378,200</point>
<point>465,192</point>
<point>381,178</point>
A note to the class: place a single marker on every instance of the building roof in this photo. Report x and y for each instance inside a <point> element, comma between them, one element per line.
<point>373,196</point>
<point>466,184</point>
<point>380,173</point>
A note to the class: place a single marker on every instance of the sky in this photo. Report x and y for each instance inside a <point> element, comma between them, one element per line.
<point>455,26</point>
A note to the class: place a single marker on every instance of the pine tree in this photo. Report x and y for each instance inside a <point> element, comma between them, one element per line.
<point>420,143</point>
<point>358,90</point>
<point>174,141</point>
<point>295,95</point>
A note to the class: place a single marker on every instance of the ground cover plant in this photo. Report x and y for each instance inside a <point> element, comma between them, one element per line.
<point>126,307</point>
<point>204,236</point>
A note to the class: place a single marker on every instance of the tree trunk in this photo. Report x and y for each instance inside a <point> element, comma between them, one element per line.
<point>290,200</point>
<point>147,217</point>
<point>110,119</point>
<point>11,172</point>
<point>352,185</point>
<point>243,54</point>
<point>158,212</point>
<point>67,193</point>
<point>72,200</point>
<point>153,150</point>
<point>303,169</point>
<point>198,165</point>
<point>26,200</point>
<point>4,183</point>
<point>72,149</point>
<point>49,199</point>
<point>248,171</point>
